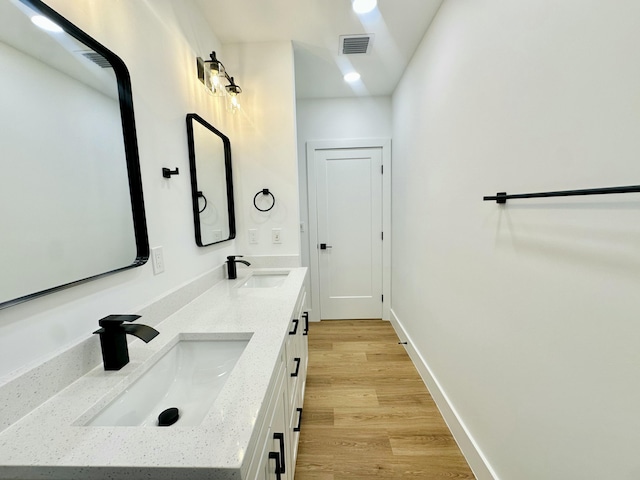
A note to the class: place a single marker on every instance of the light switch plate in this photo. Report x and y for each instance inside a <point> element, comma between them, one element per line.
<point>253,235</point>
<point>276,235</point>
<point>157,260</point>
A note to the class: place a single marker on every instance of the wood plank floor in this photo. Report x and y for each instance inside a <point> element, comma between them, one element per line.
<point>367,413</point>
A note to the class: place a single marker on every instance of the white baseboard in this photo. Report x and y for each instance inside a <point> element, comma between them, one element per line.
<point>476,460</point>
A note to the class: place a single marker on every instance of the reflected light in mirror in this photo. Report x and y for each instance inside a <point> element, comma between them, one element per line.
<point>45,24</point>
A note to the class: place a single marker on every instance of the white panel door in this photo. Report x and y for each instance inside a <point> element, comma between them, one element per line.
<point>349,215</point>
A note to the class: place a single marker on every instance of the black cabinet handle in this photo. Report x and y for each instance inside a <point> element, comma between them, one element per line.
<point>297,360</point>
<point>276,457</point>
<point>280,436</point>
<point>297,429</point>
<point>295,327</point>
<point>305,315</point>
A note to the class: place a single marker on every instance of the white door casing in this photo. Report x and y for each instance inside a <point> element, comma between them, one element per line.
<point>349,208</point>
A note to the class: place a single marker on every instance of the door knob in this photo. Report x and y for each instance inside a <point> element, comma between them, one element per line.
<point>324,246</point>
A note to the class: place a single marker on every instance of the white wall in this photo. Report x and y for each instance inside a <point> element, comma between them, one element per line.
<point>159,42</point>
<point>526,313</point>
<point>334,119</point>
<point>266,143</point>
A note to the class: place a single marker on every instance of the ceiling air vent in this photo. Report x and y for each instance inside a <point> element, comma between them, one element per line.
<point>355,44</point>
<point>96,58</point>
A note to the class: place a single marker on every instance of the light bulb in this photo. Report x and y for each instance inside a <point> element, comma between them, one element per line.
<point>364,6</point>
<point>46,24</point>
<point>215,81</point>
<point>234,105</point>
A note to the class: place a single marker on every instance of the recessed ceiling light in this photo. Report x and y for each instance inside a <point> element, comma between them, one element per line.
<point>364,6</point>
<point>46,24</point>
<point>352,77</point>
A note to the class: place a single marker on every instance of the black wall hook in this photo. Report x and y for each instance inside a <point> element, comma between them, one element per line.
<point>166,173</point>
<point>264,191</point>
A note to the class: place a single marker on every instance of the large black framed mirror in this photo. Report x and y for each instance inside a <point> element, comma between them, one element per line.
<point>211,182</point>
<point>71,198</point>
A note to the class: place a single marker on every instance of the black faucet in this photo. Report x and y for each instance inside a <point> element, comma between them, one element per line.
<point>231,265</point>
<point>113,338</point>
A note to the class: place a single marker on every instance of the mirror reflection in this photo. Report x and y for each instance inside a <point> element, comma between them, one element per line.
<point>67,151</point>
<point>211,182</point>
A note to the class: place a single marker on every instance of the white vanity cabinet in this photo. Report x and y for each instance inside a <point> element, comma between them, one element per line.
<point>259,407</point>
<point>274,456</point>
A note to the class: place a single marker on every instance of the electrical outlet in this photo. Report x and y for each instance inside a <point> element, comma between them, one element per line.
<point>157,259</point>
<point>276,235</point>
<point>253,235</point>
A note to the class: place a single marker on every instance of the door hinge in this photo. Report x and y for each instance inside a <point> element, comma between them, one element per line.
<point>381,235</point>
<point>382,298</point>
<point>382,169</point>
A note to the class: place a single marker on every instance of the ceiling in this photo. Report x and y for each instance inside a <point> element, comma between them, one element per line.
<point>315,26</point>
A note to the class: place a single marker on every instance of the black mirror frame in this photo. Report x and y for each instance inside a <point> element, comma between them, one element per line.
<point>191,117</point>
<point>130,146</point>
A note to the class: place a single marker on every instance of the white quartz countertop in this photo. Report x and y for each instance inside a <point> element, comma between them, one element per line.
<point>52,442</point>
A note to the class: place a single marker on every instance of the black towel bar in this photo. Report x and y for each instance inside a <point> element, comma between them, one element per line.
<point>502,197</point>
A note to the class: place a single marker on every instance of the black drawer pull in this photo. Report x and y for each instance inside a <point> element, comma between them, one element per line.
<point>297,360</point>
<point>305,315</point>
<point>295,327</point>
<point>297,429</point>
<point>280,436</point>
<point>276,457</point>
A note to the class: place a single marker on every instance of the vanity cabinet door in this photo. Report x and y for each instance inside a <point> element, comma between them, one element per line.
<point>274,462</point>
<point>273,441</point>
<point>295,422</point>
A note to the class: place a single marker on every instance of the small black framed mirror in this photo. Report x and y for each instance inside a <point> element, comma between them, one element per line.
<point>71,197</point>
<point>211,182</point>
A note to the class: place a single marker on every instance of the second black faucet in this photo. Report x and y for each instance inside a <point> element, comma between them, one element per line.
<point>231,266</point>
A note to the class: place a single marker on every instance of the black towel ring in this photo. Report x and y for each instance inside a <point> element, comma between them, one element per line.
<point>264,191</point>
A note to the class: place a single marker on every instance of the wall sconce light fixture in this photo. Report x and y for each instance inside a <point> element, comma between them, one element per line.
<point>213,75</point>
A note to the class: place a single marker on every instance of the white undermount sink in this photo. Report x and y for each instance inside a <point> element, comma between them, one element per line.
<point>264,280</point>
<point>190,376</point>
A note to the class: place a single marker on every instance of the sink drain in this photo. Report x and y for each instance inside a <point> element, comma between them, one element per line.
<point>168,417</point>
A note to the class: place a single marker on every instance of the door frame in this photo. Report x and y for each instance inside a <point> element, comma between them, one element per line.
<point>314,259</point>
